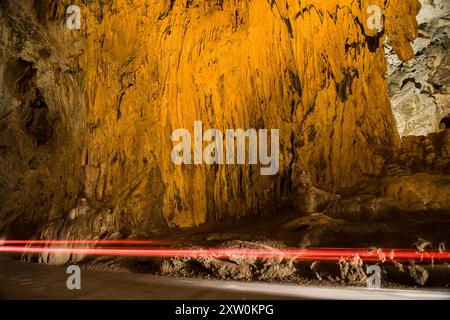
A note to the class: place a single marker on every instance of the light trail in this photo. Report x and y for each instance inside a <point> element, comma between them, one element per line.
<point>85,242</point>
<point>323,254</point>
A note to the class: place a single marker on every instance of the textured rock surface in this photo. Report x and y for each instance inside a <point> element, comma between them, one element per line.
<point>427,153</point>
<point>388,197</point>
<point>89,113</point>
<point>420,90</point>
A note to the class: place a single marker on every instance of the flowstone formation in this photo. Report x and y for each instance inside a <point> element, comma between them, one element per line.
<point>86,115</point>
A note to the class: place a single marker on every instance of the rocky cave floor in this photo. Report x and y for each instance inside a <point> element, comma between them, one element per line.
<point>406,206</point>
<point>419,231</point>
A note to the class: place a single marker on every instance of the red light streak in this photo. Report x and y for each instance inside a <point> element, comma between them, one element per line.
<point>323,254</point>
<point>85,242</point>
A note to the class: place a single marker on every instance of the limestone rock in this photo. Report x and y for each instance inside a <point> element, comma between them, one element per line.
<point>234,267</point>
<point>92,225</point>
<point>383,198</point>
<point>89,113</point>
<point>311,199</point>
<point>419,192</point>
<point>350,272</point>
<point>359,208</point>
<point>419,90</point>
<point>419,274</point>
<point>429,153</point>
<point>311,221</point>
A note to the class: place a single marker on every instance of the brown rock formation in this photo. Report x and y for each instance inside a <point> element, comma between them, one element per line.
<point>89,113</point>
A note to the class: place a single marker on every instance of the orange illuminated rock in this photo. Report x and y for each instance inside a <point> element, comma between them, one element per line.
<point>137,70</point>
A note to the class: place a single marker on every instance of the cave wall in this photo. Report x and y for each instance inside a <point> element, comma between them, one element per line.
<point>41,118</point>
<point>419,90</point>
<point>90,129</point>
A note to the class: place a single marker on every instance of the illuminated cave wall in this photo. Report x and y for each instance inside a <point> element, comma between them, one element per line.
<point>86,115</point>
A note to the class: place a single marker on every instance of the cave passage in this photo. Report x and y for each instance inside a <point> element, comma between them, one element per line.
<point>445,123</point>
<point>277,141</point>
